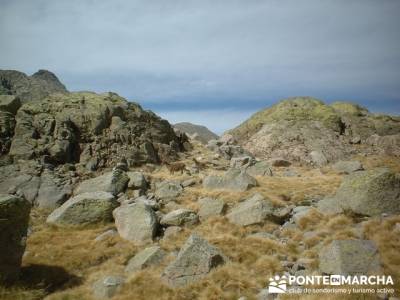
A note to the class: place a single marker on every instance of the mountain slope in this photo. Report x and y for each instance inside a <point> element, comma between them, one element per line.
<point>203,134</point>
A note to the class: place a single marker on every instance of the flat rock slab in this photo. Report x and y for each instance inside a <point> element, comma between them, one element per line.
<point>194,261</point>
<point>145,258</point>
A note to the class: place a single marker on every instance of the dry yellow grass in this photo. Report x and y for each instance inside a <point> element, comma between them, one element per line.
<point>65,262</point>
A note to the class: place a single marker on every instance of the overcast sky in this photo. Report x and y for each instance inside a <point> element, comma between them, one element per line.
<point>211,62</point>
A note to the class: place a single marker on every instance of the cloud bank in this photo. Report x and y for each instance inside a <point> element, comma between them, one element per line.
<point>180,57</point>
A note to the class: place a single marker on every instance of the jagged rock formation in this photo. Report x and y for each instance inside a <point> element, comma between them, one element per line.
<point>9,106</point>
<point>197,132</point>
<point>30,88</point>
<point>305,129</point>
<point>49,136</point>
<point>91,128</point>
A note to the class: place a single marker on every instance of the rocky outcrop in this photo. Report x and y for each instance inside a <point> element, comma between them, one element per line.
<point>9,106</point>
<point>14,218</point>
<point>30,88</point>
<point>369,193</point>
<point>51,140</point>
<point>42,187</point>
<point>194,261</point>
<point>227,147</point>
<point>136,222</point>
<point>350,257</point>
<point>84,209</point>
<point>196,132</point>
<point>306,130</point>
<point>89,128</point>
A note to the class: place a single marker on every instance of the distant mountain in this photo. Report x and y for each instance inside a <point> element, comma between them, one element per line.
<point>202,133</point>
<point>30,88</point>
<point>305,129</point>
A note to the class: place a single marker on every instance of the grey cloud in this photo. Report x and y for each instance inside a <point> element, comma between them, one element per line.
<point>230,51</point>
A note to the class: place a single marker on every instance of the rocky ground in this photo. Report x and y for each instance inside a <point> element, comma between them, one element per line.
<point>193,239</point>
<point>101,199</point>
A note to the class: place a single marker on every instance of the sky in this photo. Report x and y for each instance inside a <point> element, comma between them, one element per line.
<point>211,62</point>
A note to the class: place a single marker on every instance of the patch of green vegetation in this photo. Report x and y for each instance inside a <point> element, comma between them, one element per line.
<point>349,108</point>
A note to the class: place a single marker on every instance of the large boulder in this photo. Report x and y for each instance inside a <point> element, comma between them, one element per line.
<point>370,192</point>
<point>194,261</point>
<point>136,222</point>
<point>113,182</point>
<point>350,257</point>
<point>42,187</point>
<point>27,184</point>
<point>14,218</point>
<point>84,209</point>
<point>181,216</point>
<point>137,181</point>
<point>9,103</point>
<point>255,210</point>
<point>233,179</point>
<point>145,258</point>
<point>168,190</point>
<point>53,191</point>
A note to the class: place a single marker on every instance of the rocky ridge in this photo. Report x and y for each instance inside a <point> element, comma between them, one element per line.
<point>306,130</point>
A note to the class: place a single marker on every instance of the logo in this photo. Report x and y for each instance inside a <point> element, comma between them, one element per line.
<point>277,285</point>
<point>302,284</point>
